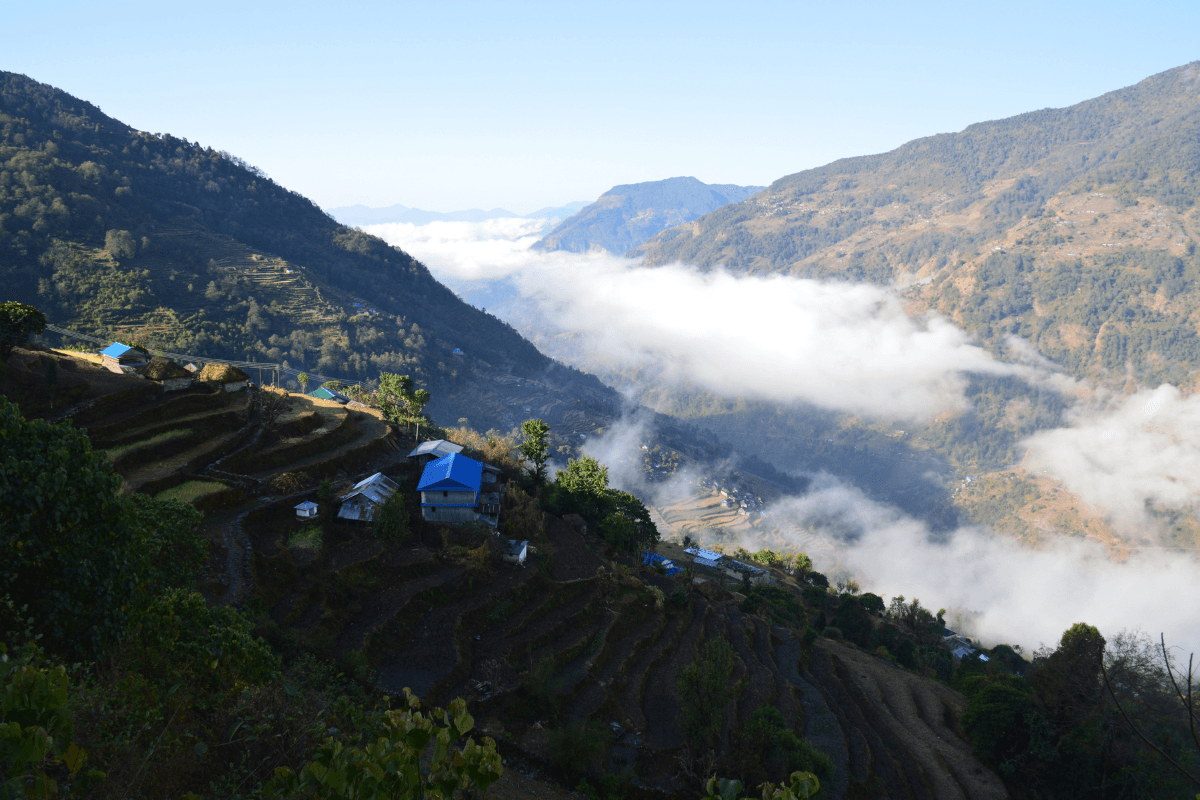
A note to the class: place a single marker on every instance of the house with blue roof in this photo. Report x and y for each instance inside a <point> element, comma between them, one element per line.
<point>455,488</point>
<point>122,359</point>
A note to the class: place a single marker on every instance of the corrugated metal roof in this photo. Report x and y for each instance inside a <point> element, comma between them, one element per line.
<point>700,552</point>
<point>115,350</point>
<point>454,472</point>
<point>377,488</point>
<point>707,562</point>
<point>437,447</point>
<point>307,505</point>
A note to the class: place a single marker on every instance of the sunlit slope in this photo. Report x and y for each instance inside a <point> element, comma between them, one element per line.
<point>181,247</point>
<point>1073,228</point>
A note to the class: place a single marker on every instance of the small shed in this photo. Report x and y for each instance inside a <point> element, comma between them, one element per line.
<point>365,497</point>
<point>306,510</point>
<point>515,552</point>
<point>230,377</point>
<point>173,377</point>
<point>433,450</point>
<point>323,393</point>
<point>122,359</point>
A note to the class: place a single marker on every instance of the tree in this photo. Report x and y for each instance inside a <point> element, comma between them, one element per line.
<point>71,550</point>
<point>534,447</point>
<point>303,379</point>
<point>583,476</point>
<point>120,244</point>
<point>17,323</point>
<point>413,757</point>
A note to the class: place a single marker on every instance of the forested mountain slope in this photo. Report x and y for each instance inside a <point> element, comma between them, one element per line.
<point>116,231</point>
<point>627,215</point>
<point>1073,228</point>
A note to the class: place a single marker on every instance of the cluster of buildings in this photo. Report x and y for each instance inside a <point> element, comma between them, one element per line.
<point>737,570</point>
<point>454,488</point>
<point>740,498</point>
<point>125,360</point>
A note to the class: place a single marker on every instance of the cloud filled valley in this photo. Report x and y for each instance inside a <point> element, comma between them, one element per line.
<point>852,349</point>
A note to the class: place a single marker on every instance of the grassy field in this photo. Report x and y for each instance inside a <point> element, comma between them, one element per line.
<point>309,537</point>
<point>191,491</point>
<point>116,452</point>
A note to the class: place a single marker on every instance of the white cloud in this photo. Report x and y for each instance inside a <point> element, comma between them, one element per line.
<point>1012,594</point>
<point>845,346</point>
<point>1147,447</point>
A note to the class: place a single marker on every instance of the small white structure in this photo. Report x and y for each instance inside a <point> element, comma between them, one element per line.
<point>362,502</point>
<point>516,551</point>
<point>306,510</point>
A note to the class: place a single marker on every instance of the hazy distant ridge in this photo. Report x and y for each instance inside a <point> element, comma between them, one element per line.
<point>359,214</point>
<point>626,216</point>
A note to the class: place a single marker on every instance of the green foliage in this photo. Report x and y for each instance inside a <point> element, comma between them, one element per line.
<point>392,767</point>
<point>764,749</point>
<point>391,522</point>
<point>36,728</point>
<point>172,551</point>
<point>623,520</point>
<point>775,604</point>
<point>704,690</point>
<point>72,553</point>
<point>310,537</point>
<point>534,447</point>
<point>579,747</point>
<point>802,786</point>
<point>17,323</point>
<point>853,620</point>
<point>181,638</point>
<point>584,477</point>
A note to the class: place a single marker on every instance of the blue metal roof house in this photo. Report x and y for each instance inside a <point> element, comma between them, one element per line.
<point>455,488</point>
<point>122,359</point>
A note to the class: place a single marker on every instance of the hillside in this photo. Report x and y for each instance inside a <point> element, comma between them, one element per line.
<point>119,232</point>
<point>627,215</point>
<point>1073,228</point>
<point>582,664</point>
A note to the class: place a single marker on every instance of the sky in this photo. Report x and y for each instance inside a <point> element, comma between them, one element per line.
<point>448,106</point>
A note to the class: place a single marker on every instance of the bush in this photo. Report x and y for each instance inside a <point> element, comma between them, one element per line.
<point>833,632</point>
<point>579,748</point>
<point>392,522</point>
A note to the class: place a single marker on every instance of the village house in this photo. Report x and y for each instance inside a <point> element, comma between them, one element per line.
<point>365,498</point>
<point>173,377</point>
<point>433,450</point>
<point>455,488</point>
<point>122,359</point>
<point>306,510</point>
<point>230,377</point>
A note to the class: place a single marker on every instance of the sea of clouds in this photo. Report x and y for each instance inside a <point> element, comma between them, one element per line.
<point>852,347</point>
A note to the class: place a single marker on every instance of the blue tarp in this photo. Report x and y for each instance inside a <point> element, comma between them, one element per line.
<point>650,559</point>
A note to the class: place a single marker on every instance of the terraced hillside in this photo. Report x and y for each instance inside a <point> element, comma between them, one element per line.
<point>573,637</point>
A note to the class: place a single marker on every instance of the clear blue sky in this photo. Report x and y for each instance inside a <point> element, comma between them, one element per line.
<point>446,106</point>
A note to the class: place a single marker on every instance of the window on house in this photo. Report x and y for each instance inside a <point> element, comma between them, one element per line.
<point>445,494</point>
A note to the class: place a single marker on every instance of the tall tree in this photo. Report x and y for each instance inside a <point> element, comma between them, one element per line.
<point>17,323</point>
<point>534,447</point>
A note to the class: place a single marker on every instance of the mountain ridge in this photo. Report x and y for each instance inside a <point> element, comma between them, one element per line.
<point>628,214</point>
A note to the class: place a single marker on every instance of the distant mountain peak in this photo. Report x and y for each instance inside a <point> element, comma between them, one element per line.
<point>629,214</point>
